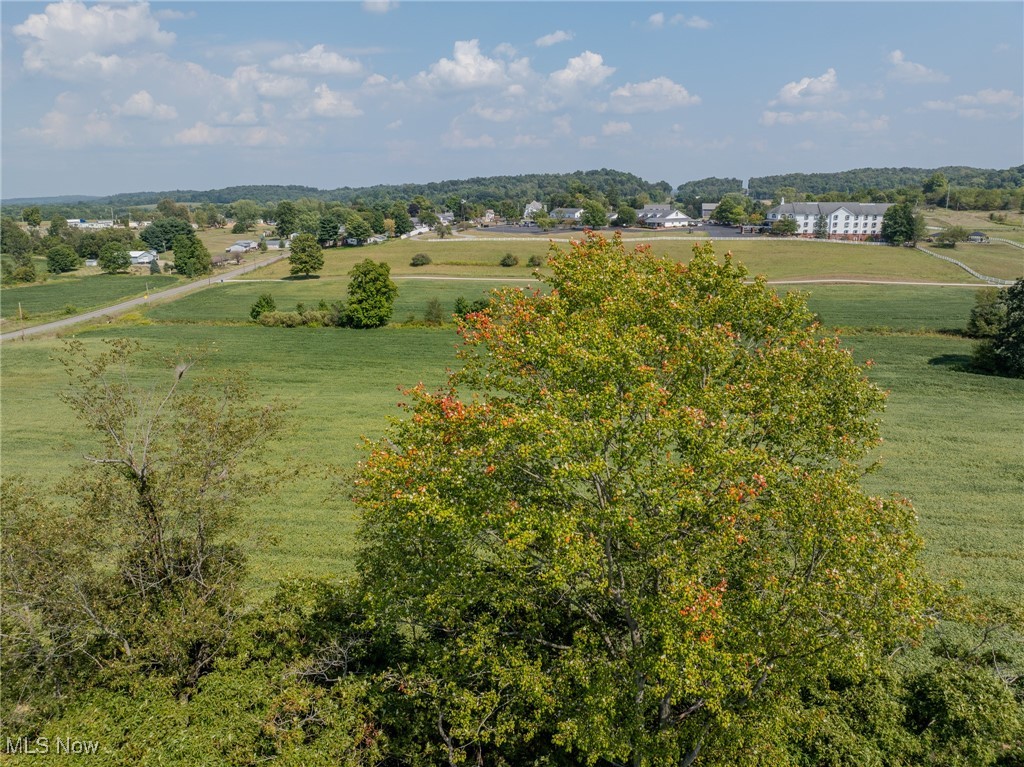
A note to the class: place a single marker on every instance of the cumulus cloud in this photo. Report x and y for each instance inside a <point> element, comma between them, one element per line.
<point>910,72</point>
<point>693,22</point>
<point>586,70</point>
<point>317,60</point>
<point>868,124</point>
<point>202,134</point>
<point>561,125</point>
<point>656,20</point>
<point>467,69</point>
<point>616,129</point>
<point>493,114</point>
<point>809,90</point>
<point>652,96</point>
<point>505,49</point>
<point>457,139</point>
<point>73,124</point>
<point>770,118</point>
<point>72,41</point>
<point>379,6</point>
<point>985,104</point>
<point>328,103</point>
<point>143,105</point>
<point>560,36</point>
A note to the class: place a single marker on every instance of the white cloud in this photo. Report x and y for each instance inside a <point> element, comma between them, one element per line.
<point>652,96</point>
<point>456,139</point>
<point>393,125</point>
<point>771,118</point>
<point>379,6</point>
<point>493,114</point>
<point>656,20</point>
<point>73,124</point>
<point>587,69</point>
<point>561,125</point>
<point>909,72</point>
<point>317,60</point>
<point>202,134</point>
<point>554,38</point>
<point>985,104</point>
<point>166,14</point>
<point>328,103</point>
<point>693,22</point>
<point>142,104</point>
<point>505,49</point>
<point>616,129</point>
<point>467,69</point>
<point>252,78</point>
<point>867,124</point>
<point>587,142</point>
<point>529,141</point>
<point>809,90</point>
<point>73,41</point>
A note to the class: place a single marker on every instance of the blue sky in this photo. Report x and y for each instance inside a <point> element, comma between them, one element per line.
<point>118,97</point>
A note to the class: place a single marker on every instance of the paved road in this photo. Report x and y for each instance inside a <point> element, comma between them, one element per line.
<point>124,306</point>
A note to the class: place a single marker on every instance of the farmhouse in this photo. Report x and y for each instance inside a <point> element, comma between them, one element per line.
<point>534,207</point>
<point>663,217</point>
<point>567,214</point>
<point>977,237</point>
<point>842,220</point>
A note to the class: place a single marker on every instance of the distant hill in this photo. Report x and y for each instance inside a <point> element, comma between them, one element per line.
<point>491,190</point>
<point>884,179</point>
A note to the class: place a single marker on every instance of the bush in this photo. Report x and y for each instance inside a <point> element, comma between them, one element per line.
<point>154,267</point>
<point>987,315</point>
<point>434,315</point>
<point>23,274</point>
<point>420,259</point>
<point>309,319</point>
<point>239,228</point>
<point>536,260</point>
<point>509,260</point>
<point>264,303</point>
<point>70,309</point>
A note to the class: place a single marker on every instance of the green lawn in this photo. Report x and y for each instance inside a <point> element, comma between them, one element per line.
<point>51,299</point>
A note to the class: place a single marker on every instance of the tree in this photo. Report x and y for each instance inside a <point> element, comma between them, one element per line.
<point>32,216</point>
<point>625,216</point>
<point>399,213</point>
<point>594,215</point>
<point>328,229</point>
<point>168,208</point>
<point>306,256</point>
<point>159,235</point>
<point>114,257</point>
<point>1008,342</point>
<point>987,314</point>
<point>730,210</point>
<point>784,227</point>
<point>246,213</point>
<point>356,228</point>
<point>150,581</point>
<point>287,217</point>
<point>62,258</point>
<point>265,303</point>
<point>821,227</point>
<point>191,257</point>
<point>371,295</point>
<point>644,532</point>
<point>900,225</point>
<point>14,241</point>
<point>951,235</point>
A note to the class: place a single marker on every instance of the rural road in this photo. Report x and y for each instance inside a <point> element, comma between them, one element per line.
<point>119,308</point>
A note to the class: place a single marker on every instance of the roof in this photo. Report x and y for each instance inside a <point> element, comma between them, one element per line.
<point>828,208</point>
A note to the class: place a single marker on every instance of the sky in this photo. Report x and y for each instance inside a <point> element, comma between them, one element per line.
<point>101,98</point>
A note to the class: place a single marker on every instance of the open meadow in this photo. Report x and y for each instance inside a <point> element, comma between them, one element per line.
<point>953,442</point>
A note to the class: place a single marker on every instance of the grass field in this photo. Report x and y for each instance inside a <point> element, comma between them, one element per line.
<point>53,298</point>
<point>993,259</point>
<point>972,220</point>
<point>953,442</point>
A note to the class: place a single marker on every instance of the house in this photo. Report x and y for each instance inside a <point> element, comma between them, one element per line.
<point>857,221</point>
<point>142,256</point>
<point>706,209</point>
<point>242,246</point>
<point>663,217</point>
<point>533,208</point>
<point>977,237</point>
<point>567,214</point>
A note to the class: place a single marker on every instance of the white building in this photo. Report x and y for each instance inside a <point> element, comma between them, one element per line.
<point>663,217</point>
<point>844,220</point>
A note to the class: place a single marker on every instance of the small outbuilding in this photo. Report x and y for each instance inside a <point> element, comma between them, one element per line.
<point>977,237</point>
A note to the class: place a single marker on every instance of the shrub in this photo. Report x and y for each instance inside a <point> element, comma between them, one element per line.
<point>420,259</point>
<point>434,315</point>
<point>987,315</point>
<point>70,309</point>
<point>264,303</point>
<point>23,274</point>
<point>509,259</point>
<point>239,228</point>
<point>154,267</point>
<point>536,260</point>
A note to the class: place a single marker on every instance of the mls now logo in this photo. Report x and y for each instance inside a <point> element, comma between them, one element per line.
<point>66,745</point>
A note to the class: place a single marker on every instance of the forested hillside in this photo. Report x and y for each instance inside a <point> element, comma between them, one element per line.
<point>885,179</point>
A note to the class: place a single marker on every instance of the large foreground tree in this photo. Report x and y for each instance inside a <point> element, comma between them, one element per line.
<point>642,534</point>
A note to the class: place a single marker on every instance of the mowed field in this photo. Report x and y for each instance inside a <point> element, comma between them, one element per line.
<point>953,440</point>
